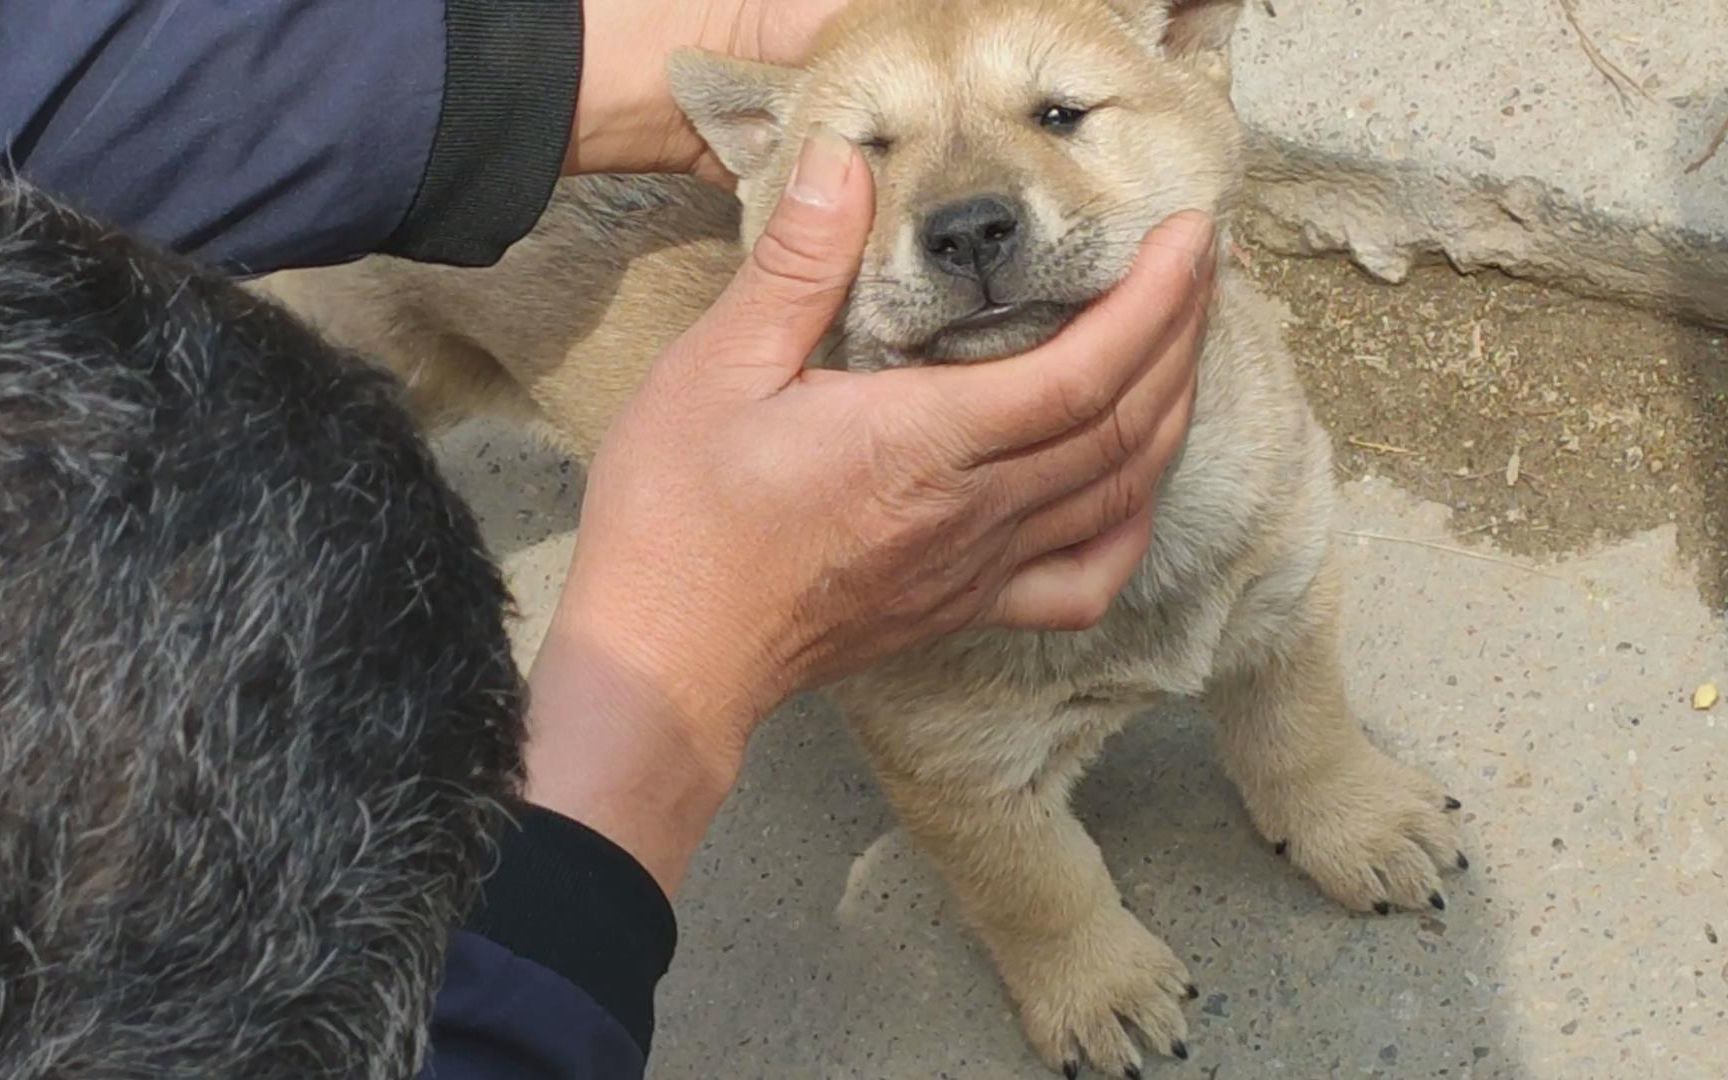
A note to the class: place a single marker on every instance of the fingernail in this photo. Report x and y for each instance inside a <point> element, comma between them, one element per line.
<point>823,164</point>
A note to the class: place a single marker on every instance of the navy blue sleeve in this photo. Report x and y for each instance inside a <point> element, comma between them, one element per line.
<point>274,133</point>
<point>500,1017</point>
<point>553,976</point>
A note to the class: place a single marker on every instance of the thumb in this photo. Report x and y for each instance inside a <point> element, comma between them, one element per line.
<point>785,296</point>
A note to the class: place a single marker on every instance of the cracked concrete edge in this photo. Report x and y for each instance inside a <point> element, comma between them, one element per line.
<point>1389,216</point>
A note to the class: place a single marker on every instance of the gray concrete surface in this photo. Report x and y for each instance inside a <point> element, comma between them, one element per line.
<point>1398,130</point>
<point>1590,939</point>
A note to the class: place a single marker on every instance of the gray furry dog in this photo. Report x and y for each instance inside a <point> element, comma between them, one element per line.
<point>257,705</point>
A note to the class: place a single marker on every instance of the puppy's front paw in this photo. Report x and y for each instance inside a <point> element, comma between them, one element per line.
<point>1083,994</point>
<point>1373,833</point>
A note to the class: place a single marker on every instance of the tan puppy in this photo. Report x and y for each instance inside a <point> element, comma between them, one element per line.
<point>1021,148</point>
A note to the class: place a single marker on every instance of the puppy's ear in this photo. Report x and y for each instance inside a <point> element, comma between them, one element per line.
<point>739,107</point>
<point>1183,29</point>
<point>1201,26</point>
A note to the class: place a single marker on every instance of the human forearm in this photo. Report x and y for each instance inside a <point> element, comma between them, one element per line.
<point>298,133</point>
<point>295,132</point>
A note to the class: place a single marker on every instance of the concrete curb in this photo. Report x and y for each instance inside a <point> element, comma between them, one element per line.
<point>1404,132</point>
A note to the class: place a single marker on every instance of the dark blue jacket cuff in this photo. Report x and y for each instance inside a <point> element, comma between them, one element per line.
<point>259,136</point>
<point>586,932</point>
<point>501,1016</point>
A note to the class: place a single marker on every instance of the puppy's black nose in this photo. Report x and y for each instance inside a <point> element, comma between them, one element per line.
<point>972,237</point>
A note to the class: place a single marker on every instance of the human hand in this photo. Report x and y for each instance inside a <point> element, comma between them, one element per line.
<point>752,528</point>
<point>626,120</point>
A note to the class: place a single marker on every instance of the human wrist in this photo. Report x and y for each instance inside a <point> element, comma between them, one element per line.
<point>610,746</point>
<point>625,119</point>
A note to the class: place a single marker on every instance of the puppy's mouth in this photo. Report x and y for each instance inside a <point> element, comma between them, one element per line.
<point>987,316</point>
<point>995,329</point>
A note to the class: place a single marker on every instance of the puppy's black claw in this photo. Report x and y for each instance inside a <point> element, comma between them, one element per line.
<point>1381,907</point>
<point>1179,1049</point>
<point>1463,863</point>
<point>1071,1069</point>
<point>1453,804</point>
<point>1437,900</point>
<point>1132,1072</point>
<point>1280,847</point>
<point>1192,990</point>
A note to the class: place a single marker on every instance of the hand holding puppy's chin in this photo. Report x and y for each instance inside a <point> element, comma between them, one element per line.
<point>752,528</point>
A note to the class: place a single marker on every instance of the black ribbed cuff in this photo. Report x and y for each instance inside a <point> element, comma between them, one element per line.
<point>572,901</point>
<point>511,71</point>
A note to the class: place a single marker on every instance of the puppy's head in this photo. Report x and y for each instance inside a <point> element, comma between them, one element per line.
<point>1020,149</point>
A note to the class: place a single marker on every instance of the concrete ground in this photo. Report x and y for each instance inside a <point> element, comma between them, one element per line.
<point>1551,692</point>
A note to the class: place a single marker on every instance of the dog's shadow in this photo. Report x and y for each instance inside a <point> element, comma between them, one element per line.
<point>817,943</point>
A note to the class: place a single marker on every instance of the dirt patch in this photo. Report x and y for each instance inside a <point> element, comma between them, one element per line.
<point>1548,422</point>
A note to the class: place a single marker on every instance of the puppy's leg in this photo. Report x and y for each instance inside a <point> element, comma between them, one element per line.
<point>1372,832</point>
<point>449,379</point>
<point>1083,970</point>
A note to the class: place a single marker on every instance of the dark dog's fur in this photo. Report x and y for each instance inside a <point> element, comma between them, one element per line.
<point>257,705</point>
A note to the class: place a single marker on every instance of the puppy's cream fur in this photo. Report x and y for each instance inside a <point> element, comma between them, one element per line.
<point>979,738</point>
